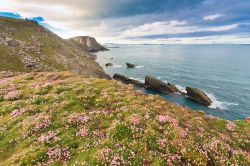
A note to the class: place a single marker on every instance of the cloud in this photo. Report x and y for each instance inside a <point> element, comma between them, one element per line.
<point>126,20</point>
<point>212,17</point>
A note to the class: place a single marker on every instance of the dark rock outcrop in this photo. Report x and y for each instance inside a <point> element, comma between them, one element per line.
<point>127,80</point>
<point>161,86</point>
<point>87,43</point>
<point>108,64</point>
<point>198,96</point>
<point>130,65</point>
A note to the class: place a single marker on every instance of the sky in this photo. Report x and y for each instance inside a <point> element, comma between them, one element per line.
<point>140,21</point>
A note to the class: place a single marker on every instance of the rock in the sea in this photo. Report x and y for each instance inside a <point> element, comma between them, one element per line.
<point>198,96</point>
<point>108,64</point>
<point>161,86</point>
<point>130,65</point>
<point>87,43</point>
<point>127,80</point>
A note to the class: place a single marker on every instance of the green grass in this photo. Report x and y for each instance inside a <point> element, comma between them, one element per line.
<point>64,119</point>
<point>8,61</point>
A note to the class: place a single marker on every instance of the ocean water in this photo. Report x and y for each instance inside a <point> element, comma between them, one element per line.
<point>222,71</point>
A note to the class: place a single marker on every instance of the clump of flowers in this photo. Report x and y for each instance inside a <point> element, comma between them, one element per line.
<point>162,118</point>
<point>78,118</point>
<point>166,118</point>
<point>13,95</point>
<point>17,112</point>
<point>117,160</point>
<point>83,132</point>
<point>231,126</point>
<point>136,120</point>
<point>58,154</point>
<point>43,124</point>
<point>46,137</point>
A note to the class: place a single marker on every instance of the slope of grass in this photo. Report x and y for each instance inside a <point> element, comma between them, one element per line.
<point>8,61</point>
<point>64,119</point>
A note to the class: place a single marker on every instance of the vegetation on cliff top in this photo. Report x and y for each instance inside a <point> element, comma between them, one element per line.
<point>27,46</point>
<point>64,119</point>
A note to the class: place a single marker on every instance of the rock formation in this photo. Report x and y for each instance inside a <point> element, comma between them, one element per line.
<point>198,95</point>
<point>161,86</point>
<point>130,65</point>
<point>108,64</point>
<point>89,44</point>
<point>127,80</point>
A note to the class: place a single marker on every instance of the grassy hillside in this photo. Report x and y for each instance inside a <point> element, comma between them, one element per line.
<point>64,119</point>
<point>27,46</point>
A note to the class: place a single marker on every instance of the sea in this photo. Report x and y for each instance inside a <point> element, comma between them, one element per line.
<point>221,71</point>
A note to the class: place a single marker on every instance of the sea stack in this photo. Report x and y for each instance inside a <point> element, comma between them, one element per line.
<point>161,86</point>
<point>130,65</point>
<point>198,96</point>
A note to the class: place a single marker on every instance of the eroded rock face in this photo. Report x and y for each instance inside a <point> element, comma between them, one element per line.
<point>161,86</point>
<point>127,80</point>
<point>198,96</point>
<point>89,44</point>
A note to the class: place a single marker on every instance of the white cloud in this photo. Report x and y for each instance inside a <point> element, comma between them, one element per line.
<point>172,27</point>
<point>212,17</point>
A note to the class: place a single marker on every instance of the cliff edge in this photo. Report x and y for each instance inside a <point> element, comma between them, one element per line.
<point>87,43</point>
<point>27,46</point>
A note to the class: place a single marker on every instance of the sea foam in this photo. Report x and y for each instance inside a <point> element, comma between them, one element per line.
<point>216,104</point>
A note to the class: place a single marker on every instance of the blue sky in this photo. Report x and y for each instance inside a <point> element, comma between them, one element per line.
<point>140,21</point>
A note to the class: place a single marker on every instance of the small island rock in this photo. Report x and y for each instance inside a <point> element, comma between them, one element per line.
<point>160,85</point>
<point>130,65</point>
<point>198,96</point>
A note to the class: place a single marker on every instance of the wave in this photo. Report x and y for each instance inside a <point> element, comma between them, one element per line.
<point>139,66</point>
<point>138,79</point>
<point>216,104</point>
<point>181,88</point>
<point>117,66</point>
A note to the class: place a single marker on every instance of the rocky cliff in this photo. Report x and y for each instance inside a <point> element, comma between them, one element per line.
<point>27,46</point>
<point>87,43</point>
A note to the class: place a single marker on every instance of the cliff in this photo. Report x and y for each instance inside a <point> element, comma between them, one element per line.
<point>27,46</point>
<point>87,43</point>
<point>61,118</point>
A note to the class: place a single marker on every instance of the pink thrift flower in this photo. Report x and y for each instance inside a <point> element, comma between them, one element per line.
<point>162,118</point>
<point>117,160</point>
<point>136,120</point>
<point>46,137</point>
<point>78,118</point>
<point>83,132</point>
<point>17,112</point>
<point>13,95</point>
<point>59,154</point>
<point>231,126</point>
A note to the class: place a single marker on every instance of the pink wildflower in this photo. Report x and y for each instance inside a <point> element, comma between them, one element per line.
<point>162,118</point>
<point>78,118</point>
<point>17,112</point>
<point>166,118</point>
<point>13,95</point>
<point>58,154</point>
<point>117,160</point>
<point>83,132</point>
<point>46,137</point>
<point>43,124</point>
<point>231,126</point>
<point>136,120</point>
